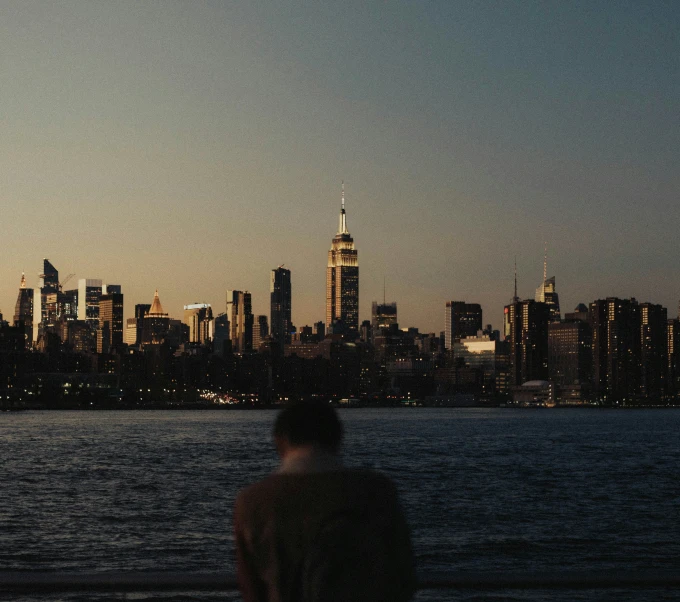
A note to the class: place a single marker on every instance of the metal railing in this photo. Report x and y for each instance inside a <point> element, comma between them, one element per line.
<point>162,581</point>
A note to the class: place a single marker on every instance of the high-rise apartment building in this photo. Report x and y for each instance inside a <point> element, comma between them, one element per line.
<point>110,333</point>
<point>198,317</point>
<point>673,367</point>
<point>570,354</point>
<point>526,329</point>
<point>342,278</point>
<point>240,316</point>
<point>461,320</point>
<point>23,311</point>
<point>616,349</point>
<point>280,305</point>
<point>653,352</point>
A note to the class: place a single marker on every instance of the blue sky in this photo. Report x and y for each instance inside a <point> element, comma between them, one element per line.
<point>194,146</point>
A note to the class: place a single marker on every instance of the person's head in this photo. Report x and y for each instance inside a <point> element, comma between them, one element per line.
<point>307,424</point>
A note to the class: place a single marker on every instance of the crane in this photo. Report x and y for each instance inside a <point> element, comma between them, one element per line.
<point>61,284</point>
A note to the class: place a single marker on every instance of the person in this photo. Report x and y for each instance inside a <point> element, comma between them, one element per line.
<point>316,531</point>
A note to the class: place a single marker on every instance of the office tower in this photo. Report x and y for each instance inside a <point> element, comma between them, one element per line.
<point>570,354</point>
<point>383,315</point>
<point>131,331</point>
<point>156,323</point>
<point>110,333</point>
<point>221,334</point>
<point>653,351</point>
<point>616,349</point>
<point>49,283</point>
<point>461,320</point>
<point>486,359</point>
<point>260,331</point>
<point>673,366</point>
<point>112,289</point>
<point>68,304</point>
<point>280,305</point>
<point>342,278</point>
<point>526,329</point>
<point>240,316</point>
<point>89,292</point>
<point>23,310</point>
<point>141,309</point>
<point>320,330</point>
<point>546,293</point>
<point>198,317</point>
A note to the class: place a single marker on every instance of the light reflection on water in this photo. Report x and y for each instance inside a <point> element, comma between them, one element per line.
<point>483,489</point>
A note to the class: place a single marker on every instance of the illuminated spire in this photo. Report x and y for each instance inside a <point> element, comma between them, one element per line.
<point>342,226</point>
<point>23,280</point>
<point>545,264</point>
<point>156,307</point>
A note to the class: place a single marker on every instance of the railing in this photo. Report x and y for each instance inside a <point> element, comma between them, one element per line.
<point>53,582</point>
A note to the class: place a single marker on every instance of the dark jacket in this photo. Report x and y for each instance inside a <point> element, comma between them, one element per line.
<point>336,535</point>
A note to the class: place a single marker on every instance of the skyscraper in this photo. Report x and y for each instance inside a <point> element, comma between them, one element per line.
<point>49,284</point>
<point>461,320</point>
<point>110,322</point>
<point>198,317</point>
<point>617,342</point>
<point>280,305</point>
<point>89,293</point>
<point>526,329</point>
<point>23,311</point>
<point>156,323</point>
<point>546,292</point>
<point>342,278</point>
<point>240,317</point>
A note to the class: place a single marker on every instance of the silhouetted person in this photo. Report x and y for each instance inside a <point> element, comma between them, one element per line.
<point>315,531</point>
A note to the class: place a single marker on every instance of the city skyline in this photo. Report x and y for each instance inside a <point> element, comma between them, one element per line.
<point>204,147</point>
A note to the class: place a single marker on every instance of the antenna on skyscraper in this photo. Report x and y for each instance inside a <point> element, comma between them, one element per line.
<point>384,296</point>
<point>515,298</point>
<point>545,264</point>
<point>343,195</point>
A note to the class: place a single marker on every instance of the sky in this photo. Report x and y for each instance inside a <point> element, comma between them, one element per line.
<point>192,147</point>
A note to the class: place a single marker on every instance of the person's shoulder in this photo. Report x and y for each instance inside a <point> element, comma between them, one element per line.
<point>377,482</point>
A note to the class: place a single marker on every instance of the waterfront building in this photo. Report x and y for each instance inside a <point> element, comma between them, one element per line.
<point>156,323</point>
<point>526,330</point>
<point>342,279</point>
<point>110,331</point>
<point>23,311</point>
<point>461,320</point>
<point>653,352</point>
<point>280,305</point>
<point>673,346</point>
<point>488,358</point>
<point>240,316</point>
<point>199,318</point>
<point>616,349</point>
<point>570,359</point>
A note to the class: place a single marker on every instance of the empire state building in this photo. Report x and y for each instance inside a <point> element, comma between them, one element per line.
<point>342,278</point>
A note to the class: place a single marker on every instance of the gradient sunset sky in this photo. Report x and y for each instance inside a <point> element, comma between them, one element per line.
<point>194,146</point>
